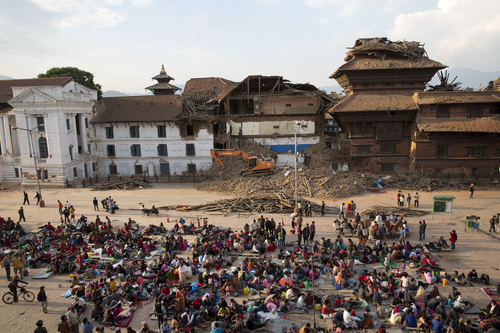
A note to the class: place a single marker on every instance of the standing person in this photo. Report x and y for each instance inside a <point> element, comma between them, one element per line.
<point>68,204</point>
<point>66,214</point>
<point>342,211</point>
<point>421,230</point>
<point>87,326</point>
<point>408,200</point>
<point>471,189</point>
<point>309,209</point>
<point>73,319</point>
<point>424,229</point>
<point>312,231</point>
<point>399,195</point>
<point>159,310</point>
<point>40,328</point>
<point>7,262</point>
<point>299,234</point>
<point>453,239</point>
<point>322,208</point>
<point>18,265</point>
<point>26,199</point>
<point>96,204</point>
<point>416,197</point>
<point>63,326</point>
<point>493,220</point>
<point>306,233</point>
<point>42,298</point>
<point>21,214</point>
<point>353,206</point>
<point>60,206</point>
<point>37,197</point>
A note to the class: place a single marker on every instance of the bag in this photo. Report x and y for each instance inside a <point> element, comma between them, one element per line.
<point>25,273</point>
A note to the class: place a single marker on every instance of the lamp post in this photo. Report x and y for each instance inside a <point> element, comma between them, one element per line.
<point>296,127</point>
<point>30,142</point>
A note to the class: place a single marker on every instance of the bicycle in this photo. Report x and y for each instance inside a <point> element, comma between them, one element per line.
<point>8,297</point>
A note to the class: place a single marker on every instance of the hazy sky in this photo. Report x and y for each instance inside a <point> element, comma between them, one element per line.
<point>125,42</point>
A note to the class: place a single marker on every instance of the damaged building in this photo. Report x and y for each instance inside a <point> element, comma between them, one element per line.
<point>393,122</point>
<point>261,110</point>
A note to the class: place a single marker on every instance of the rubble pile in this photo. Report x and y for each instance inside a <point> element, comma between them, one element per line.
<point>125,184</point>
<point>400,211</point>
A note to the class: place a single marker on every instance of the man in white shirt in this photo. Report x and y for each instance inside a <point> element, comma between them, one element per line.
<point>405,284</point>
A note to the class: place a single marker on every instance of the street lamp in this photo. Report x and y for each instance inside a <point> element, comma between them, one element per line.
<point>296,127</point>
<point>41,203</point>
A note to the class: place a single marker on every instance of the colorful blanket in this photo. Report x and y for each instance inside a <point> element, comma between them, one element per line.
<point>124,322</point>
<point>491,294</point>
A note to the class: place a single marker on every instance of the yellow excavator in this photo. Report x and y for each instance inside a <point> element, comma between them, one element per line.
<point>256,166</point>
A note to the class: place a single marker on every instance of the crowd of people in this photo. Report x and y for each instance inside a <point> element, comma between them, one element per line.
<point>119,268</point>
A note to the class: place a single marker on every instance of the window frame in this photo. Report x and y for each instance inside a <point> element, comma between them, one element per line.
<point>108,148</point>
<point>40,123</point>
<point>109,132</point>
<point>134,131</point>
<point>135,150</point>
<point>45,148</point>
<point>190,149</point>
<point>161,131</point>
<point>190,129</point>
<point>112,167</point>
<point>160,150</point>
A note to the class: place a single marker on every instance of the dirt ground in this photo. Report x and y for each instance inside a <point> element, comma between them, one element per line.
<point>474,249</point>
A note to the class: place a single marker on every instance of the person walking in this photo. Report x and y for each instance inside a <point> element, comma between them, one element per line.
<point>471,189</point>
<point>416,197</point>
<point>40,328</point>
<point>353,206</point>
<point>453,239</point>
<point>312,230</point>
<point>37,197</point>
<point>96,204</point>
<point>322,208</point>
<point>26,199</point>
<point>306,232</point>
<point>60,206</point>
<point>18,265</point>
<point>21,214</point>
<point>7,262</point>
<point>342,211</point>
<point>159,310</point>
<point>493,221</point>
<point>42,298</point>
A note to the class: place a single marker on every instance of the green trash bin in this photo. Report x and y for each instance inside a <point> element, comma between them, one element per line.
<point>469,224</point>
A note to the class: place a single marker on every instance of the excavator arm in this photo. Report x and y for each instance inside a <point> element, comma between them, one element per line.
<point>227,152</point>
<point>255,166</point>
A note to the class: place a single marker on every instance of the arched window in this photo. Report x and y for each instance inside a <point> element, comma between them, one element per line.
<point>42,145</point>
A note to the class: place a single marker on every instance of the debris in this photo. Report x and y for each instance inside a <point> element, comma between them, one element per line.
<point>125,184</point>
<point>412,180</point>
<point>271,204</point>
<point>400,211</point>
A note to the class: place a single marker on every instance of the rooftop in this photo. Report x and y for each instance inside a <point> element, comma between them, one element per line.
<point>6,85</point>
<point>376,102</point>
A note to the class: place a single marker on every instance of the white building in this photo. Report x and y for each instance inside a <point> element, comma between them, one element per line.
<point>141,135</point>
<point>56,111</point>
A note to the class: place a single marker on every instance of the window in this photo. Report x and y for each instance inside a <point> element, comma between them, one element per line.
<point>75,172</point>
<point>363,149</point>
<point>68,124</point>
<point>162,132</point>
<point>189,130</point>
<point>443,111</point>
<point>441,151</point>
<point>94,166</point>
<point>476,152</point>
<point>474,112</point>
<point>45,174</point>
<point>135,150</point>
<point>109,132</point>
<point>162,150</point>
<point>249,105</point>
<point>85,171</point>
<point>111,150</point>
<point>134,132</point>
<point>86,122</point>
<point>387,167</point>
<point>40,124</point>
<point>42,146</point>
<point>39,174</point>
<point>310,104</point>
<point>288,105</point>
<point>113,170</point>
<point>191,168</point>
<point>190,149</point>
<point>71,153</point>
<point>88,148</point>
<point>138,169</point>
<point>388,148</point>
<point>16,172</point>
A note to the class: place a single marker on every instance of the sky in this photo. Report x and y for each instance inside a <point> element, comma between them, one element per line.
<point>125,42</point>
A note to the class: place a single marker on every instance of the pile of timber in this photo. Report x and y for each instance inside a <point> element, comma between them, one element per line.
<point>400,211</point>
<point>124,184</point>
<point>413,180</point>
<point>312,183</point>
<point>276,204</point>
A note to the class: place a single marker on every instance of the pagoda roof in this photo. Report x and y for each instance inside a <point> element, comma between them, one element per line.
<point>163,86</point>
<point>163,75</point>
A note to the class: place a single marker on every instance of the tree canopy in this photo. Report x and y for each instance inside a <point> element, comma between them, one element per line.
<point>83,77</point>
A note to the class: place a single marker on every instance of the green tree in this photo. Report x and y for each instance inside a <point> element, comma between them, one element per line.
<point>83,77</point>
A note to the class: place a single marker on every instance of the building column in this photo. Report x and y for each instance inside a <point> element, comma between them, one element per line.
<point>7,134</point>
